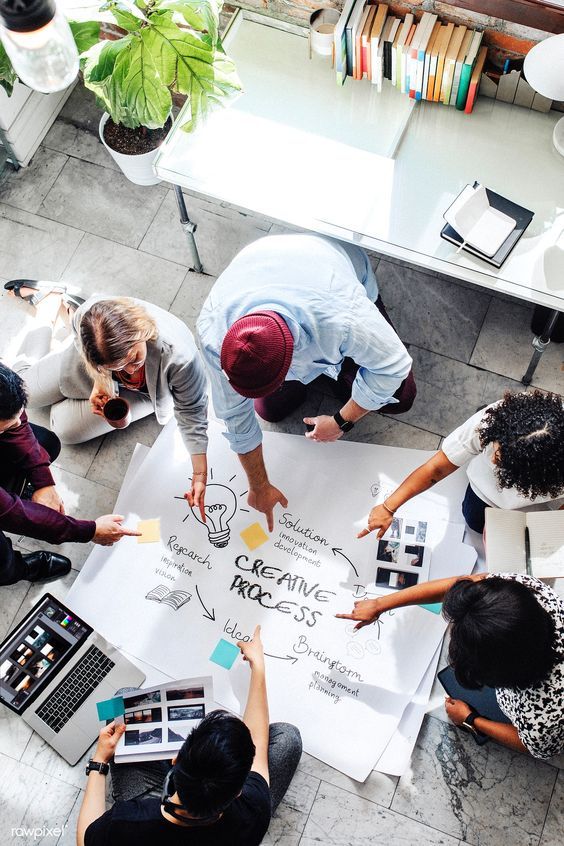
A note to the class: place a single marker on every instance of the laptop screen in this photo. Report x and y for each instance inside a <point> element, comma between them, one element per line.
<point>32,654</point>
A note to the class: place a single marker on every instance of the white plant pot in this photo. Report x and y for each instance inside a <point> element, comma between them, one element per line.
<point>137,168</point>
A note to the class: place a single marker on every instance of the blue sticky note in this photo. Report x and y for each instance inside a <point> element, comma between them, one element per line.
<point>224,654</point>
<point>434,607</point>
<point>110,708</point>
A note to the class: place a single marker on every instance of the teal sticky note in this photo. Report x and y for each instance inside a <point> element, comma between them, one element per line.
<point>110,708</point>
<point>224,654</point>
<point>434,607</point>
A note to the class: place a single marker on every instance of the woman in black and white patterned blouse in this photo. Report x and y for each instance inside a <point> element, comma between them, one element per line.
<point>507,633</point>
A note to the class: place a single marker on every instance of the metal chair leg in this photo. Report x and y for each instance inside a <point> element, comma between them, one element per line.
<point>189,229</point>
<point>540,343</point>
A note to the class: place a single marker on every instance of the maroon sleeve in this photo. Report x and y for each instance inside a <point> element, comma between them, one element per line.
<point>37,521</point>
<point>20,448</point>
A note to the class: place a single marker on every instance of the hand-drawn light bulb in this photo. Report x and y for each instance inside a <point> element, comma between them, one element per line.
<point>221,505</point>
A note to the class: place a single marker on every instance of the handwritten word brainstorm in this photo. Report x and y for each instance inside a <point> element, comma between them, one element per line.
<point>248,587</point>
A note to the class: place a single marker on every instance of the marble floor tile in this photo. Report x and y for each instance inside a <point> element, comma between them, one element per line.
<point>27,188</point>
<point>553,830</point>
<point>76,458</point>
<point>102,202</point>
<point>31,799</point>
<point>382,429</point>
<point>68,837</point>
<point>287,824</point>
<point>504,346</point>
<point>432,313</point>
<point>14,734</point>
<point>79,143</point>
<point>34,591</point>
<point>222,232</point>
<point>485,795</point>
<point>448,392</point>
<point>378,787</point>
<point>39,755</point>
<point>85,500</point>
<point>189,300</point>
<point>34,247</point>
<point>339,818</point>
<point>100,266</point>
<point>112,460</point>
<point>12,598</point>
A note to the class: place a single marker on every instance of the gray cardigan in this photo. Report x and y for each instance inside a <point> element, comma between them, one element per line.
<point>174,373</point>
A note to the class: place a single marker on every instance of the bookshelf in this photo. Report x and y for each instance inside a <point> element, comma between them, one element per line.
<point>352,164</point>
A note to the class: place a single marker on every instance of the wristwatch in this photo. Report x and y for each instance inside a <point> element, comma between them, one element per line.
<point>344,425</point>
<point>468,723</point>
<point>96,766</point>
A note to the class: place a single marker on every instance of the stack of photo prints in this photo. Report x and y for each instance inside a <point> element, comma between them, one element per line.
<point>159,719</point>
<point>402,559</point>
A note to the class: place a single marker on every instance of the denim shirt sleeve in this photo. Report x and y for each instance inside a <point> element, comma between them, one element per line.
<point>237,412</point>
<point>384,361</point>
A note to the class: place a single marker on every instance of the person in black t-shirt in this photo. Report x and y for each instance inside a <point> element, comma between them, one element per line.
<point>226,781</point>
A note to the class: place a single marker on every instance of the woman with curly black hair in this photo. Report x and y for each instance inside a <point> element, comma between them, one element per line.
<point>515,454</point>
<point>506,633</point>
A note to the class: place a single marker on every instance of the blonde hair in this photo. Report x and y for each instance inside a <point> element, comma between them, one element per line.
<point>108,331</point>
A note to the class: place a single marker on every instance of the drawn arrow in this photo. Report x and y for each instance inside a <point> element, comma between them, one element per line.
<point>283,657</point>
<point>336,550</point>
<point>207,614</point>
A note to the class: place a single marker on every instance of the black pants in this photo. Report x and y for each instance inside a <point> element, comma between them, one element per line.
<point>12,567</point>
<point>474,510</point>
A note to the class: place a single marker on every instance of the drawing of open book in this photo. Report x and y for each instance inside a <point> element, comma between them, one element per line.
<point>175,598</point>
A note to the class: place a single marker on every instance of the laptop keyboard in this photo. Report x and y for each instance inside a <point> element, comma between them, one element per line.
<point>75,688</point>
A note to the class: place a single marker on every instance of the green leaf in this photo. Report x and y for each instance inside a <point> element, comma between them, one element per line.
<point>201,15</point>
<point>146,100</point>
<point>124,17</point>
<point>8,76</point>
<point>98,72</point>
<point>85,34</point>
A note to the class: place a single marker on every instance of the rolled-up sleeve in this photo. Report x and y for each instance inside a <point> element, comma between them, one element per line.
<point>384,361</point>
<point>187,383</point>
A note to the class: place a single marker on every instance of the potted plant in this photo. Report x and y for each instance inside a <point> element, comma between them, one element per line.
<point>155,49</point>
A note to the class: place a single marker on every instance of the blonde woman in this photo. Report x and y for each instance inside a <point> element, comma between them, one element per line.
<point>125,346</point>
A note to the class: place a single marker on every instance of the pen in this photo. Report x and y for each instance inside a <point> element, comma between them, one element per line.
<point>527,552</point>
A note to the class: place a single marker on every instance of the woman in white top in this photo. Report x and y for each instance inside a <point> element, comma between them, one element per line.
<point>515,450</point>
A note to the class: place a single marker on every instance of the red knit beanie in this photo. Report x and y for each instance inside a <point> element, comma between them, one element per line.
<point>256,353</point>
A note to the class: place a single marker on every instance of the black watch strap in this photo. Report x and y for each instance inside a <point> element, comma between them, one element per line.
<point>97,766</point>
<point>468,722</point>
<point>344,425</point>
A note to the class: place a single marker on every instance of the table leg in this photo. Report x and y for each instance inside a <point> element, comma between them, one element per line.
<point>189,229</point>
<point>540,343</point>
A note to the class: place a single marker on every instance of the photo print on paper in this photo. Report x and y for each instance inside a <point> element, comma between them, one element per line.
<point>134,737</point>
<point>179,734</point>
<point>185,693</point>
<point>394,530</point>
<point>388,551</point>
<point>186,712</point>
<point>142,700</point>
<point>146,715</point>
<point>395,579</point>
<point>414,555</point>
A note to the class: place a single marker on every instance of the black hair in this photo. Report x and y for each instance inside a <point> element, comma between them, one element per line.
<point>529,428</point>
<point>213,763</point>
<point>13,395</point>
<point>500,635</point>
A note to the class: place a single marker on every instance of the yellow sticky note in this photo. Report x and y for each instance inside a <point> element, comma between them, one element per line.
<point>254,535</point>
<point>150,531</point>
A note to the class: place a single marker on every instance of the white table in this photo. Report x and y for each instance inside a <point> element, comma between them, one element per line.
<point>374,169</point>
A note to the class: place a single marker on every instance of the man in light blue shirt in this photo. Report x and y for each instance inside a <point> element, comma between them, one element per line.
<point>290,308</point>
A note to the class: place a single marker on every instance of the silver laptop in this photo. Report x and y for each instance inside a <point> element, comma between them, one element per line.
<point>54,668</point>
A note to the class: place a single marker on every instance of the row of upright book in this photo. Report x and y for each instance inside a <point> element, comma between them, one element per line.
<point>425,59</point>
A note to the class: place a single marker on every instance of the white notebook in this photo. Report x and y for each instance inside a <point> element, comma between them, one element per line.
<point>506,547</point>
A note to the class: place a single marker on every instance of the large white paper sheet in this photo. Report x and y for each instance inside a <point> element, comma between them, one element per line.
<point>170,602</point>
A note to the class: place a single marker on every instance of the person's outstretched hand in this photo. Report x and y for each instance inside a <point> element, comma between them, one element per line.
<point>109,530</point>
<point>107,742</point>
<point>325,428</point>
<point>366,611</point>
<point>264,499</point>
<point>379,520</point>
<point>253,651</point>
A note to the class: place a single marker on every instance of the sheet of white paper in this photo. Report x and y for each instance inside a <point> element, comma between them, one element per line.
<point>330,682</point>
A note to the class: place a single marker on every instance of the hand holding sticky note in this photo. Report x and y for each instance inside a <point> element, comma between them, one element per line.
<point>224,654</point>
